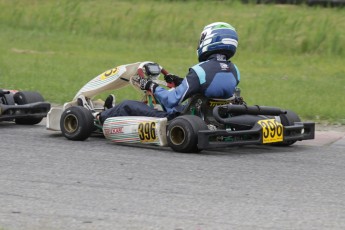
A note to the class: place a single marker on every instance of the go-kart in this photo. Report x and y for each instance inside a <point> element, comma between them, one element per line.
<point>22,107</point>
<point>204,123</point>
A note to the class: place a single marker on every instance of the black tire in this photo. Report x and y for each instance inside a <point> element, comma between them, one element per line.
<point>182,133</point>
<point>77,123</point>
<point>9,99</point>
<point>288,119</point>
<point>27,97</point>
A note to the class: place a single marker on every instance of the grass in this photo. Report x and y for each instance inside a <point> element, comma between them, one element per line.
<point>289,56</point>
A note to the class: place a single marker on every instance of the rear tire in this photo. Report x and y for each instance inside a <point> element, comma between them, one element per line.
<point>27,97</point>
<point>9,99</point>
<point>288,119</point>
<point>182,133</point>
<point>77,123</point>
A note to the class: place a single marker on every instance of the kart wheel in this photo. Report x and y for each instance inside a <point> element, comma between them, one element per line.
<point>182,134</point>
<point>27,97</point>
<point>288,119</point>
<point>9,99</point>
<point>77,123</point>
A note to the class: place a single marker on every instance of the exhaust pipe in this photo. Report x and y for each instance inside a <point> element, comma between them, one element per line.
<point>220,113</point>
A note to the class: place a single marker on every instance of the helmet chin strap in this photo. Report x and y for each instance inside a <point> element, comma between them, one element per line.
<point>221,57</point>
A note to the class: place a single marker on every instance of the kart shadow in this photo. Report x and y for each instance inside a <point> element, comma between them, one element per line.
<point>253,150</point>
<point>230,151</point>
<point>58,134</point>
<point>7,124</point>
<point>12,124</point>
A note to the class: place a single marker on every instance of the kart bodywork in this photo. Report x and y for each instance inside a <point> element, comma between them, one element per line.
<point>205,123</point>
<point>22,107</point>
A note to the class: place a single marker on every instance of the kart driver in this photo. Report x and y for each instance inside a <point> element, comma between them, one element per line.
<point>215,76</point>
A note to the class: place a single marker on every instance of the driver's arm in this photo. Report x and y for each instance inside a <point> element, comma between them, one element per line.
<point>171,98</point>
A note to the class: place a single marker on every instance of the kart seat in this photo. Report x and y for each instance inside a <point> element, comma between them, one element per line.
<point>202,106</point>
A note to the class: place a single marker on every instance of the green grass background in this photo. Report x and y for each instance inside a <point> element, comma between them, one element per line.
<point>289,56</point>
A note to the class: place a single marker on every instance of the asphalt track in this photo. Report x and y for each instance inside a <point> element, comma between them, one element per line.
<point>48,183</point>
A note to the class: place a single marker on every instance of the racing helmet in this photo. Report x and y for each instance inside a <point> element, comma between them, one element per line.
<point>217,37</point>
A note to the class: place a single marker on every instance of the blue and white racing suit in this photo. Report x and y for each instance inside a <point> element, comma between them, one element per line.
<point>214,78</point>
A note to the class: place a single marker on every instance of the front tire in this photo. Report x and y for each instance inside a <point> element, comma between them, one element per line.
<point>77,123</point>
<point>182,134</point>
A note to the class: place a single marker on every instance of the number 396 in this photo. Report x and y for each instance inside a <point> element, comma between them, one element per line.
<point>147,131</point>
<point>271,128</point>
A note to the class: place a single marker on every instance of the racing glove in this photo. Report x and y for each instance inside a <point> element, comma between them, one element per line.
<point>145,84</point>
<point>172,78</point>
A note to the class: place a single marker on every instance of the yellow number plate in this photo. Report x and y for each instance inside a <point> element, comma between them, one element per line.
<point>272,131</point>
<point>147,131</point>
